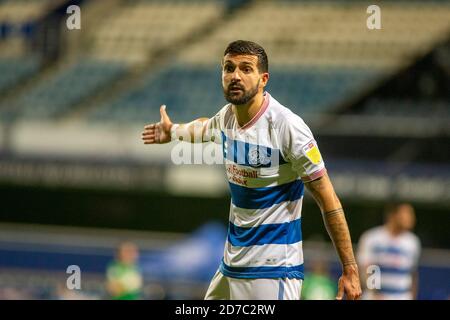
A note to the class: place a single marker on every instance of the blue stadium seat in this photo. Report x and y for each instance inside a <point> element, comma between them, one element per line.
<point>66,88</point>
<point>14,70</point>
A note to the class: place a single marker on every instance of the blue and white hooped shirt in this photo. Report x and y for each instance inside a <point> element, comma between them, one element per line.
<point>266,163</point>
<point>396,257</point>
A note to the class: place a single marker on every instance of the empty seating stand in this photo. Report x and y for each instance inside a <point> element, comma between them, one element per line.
<point>64,89</point>
<point>13,70</point>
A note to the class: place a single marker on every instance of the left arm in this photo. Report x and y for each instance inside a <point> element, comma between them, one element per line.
<point>334,219</point>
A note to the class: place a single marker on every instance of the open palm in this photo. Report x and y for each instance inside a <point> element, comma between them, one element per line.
<point>158,132</point>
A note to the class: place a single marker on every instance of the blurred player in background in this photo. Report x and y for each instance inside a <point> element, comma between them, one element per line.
<point>395,250</point>
<point>270,155</point>
<point>123,278</point>
<point>319,285</point>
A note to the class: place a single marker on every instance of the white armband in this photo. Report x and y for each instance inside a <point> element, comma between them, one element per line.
<point>173,132</point>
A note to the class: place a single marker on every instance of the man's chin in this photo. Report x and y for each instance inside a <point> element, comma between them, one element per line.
<point>237,102</point>
<point>237,99</point>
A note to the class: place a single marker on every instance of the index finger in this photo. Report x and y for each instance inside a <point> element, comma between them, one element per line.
<point>340,294</point>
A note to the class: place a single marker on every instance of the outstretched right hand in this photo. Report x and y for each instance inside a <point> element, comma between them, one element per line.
<point>158,132</point>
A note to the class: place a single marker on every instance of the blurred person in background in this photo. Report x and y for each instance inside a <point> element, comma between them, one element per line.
<point>318,284</point>
<point>395,250</point>
<point>123,277</point>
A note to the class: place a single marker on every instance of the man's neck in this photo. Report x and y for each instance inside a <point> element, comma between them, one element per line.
<point>246,112</point>
<point>393,231</point>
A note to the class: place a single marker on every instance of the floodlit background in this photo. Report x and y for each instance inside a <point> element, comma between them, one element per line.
<point>75,179</point>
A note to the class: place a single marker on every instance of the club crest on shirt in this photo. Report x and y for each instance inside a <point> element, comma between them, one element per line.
<point>257,157</point>
<point>312,152</point>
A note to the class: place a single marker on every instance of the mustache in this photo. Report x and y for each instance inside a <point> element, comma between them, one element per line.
<point>235,86</point>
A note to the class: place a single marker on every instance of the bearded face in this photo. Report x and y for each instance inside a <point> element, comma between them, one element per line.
<point>241,79</point>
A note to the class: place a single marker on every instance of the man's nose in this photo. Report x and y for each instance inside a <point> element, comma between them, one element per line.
<point>236,76</point>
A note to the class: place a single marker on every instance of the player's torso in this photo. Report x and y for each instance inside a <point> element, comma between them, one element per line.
<point>258,174</point>
<point>252,157</point>
<point>264,236</point>
<point>252,154</point>
<point>395,253</point>
<point>396,258</point>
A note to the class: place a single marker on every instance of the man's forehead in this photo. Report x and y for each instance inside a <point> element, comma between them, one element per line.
<point>240,58</point>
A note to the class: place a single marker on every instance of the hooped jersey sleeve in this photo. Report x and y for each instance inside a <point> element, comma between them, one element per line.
<point>215,125</point>
<point>300,148</point>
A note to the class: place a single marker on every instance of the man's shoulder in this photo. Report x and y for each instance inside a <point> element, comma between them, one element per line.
<point>412,238</point>
<point>281,116</point>
<point>224,111</point>
<point>373,233</point>
<point>221,117</point>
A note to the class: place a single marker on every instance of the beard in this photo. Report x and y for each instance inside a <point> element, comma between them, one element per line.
<point>242,97</point>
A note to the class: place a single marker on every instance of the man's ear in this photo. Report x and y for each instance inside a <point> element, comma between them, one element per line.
<point>265,78</point>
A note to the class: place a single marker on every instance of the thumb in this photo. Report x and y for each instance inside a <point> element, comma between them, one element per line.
<point>164,117</point>
<point>340,294</point>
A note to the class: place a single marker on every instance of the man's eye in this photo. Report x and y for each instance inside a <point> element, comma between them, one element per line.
<point>248,70</point>
<point>229,69</point>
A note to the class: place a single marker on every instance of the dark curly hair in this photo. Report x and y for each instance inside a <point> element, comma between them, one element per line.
<point>249,48</point>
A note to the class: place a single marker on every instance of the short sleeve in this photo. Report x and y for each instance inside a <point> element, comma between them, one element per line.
<point>300,148</point>
<point>214,127</point>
